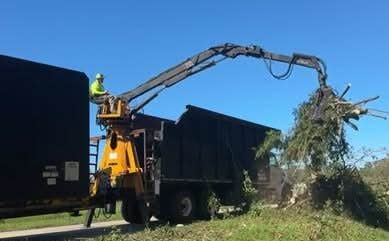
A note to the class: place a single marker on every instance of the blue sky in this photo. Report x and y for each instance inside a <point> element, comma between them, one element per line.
<point>131,41</point>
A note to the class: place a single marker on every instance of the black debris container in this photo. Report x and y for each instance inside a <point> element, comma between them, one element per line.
<point>44,132</point>
<point>202,147</point>
<point>210,147</point>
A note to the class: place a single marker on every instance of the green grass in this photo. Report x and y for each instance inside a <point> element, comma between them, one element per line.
<point>51,220</point>
<point>265,225</point>
<point>261,224</point>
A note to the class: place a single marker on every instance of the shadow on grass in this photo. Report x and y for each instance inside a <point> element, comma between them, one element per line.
<point>347,192</point>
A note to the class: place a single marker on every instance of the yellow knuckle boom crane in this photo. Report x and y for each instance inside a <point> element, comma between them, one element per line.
<point>120,174</point>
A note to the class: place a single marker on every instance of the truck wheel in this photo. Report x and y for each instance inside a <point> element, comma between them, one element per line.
<point>183,207</point>
<point>135,211</point>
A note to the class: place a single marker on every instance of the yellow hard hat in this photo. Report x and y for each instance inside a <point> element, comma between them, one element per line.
<point>99,76</point>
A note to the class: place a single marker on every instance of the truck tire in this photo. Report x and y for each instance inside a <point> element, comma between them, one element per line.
<point>183,207</point>
<point>135,211</point>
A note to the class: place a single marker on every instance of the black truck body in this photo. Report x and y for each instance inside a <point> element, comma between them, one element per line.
<point>203,148</point>
<point>45,135</point>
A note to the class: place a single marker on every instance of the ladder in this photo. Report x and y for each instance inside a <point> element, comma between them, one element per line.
<point>145,151</point>
<point>151,138</point>
<point>94,155</point>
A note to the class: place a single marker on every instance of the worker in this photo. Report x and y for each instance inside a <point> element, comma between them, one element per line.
<point>98,94</point>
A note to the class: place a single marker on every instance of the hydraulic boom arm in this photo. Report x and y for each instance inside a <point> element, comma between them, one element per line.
<point>203,60</point>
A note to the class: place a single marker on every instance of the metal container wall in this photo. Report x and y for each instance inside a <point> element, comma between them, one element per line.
<point>208,146</point>
<point>45,131</point>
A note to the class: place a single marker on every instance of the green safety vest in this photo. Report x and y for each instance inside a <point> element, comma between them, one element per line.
<point>96,88</point>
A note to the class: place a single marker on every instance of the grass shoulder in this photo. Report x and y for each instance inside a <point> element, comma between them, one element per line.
<point>266,224</point>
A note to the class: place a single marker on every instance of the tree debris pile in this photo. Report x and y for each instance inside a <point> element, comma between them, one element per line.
<point>317,143</point>
<point>318,136</point>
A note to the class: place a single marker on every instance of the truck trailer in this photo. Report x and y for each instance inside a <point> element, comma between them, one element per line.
<point>45,137</point>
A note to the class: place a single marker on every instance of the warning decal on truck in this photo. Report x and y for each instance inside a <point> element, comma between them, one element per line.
<point>50,173</point>
<point>71,171</point>
<point>51,181</point>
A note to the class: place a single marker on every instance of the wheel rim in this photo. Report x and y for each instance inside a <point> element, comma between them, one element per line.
<point>186,206</point>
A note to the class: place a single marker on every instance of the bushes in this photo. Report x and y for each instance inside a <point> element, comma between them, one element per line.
<point>346,192</point>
